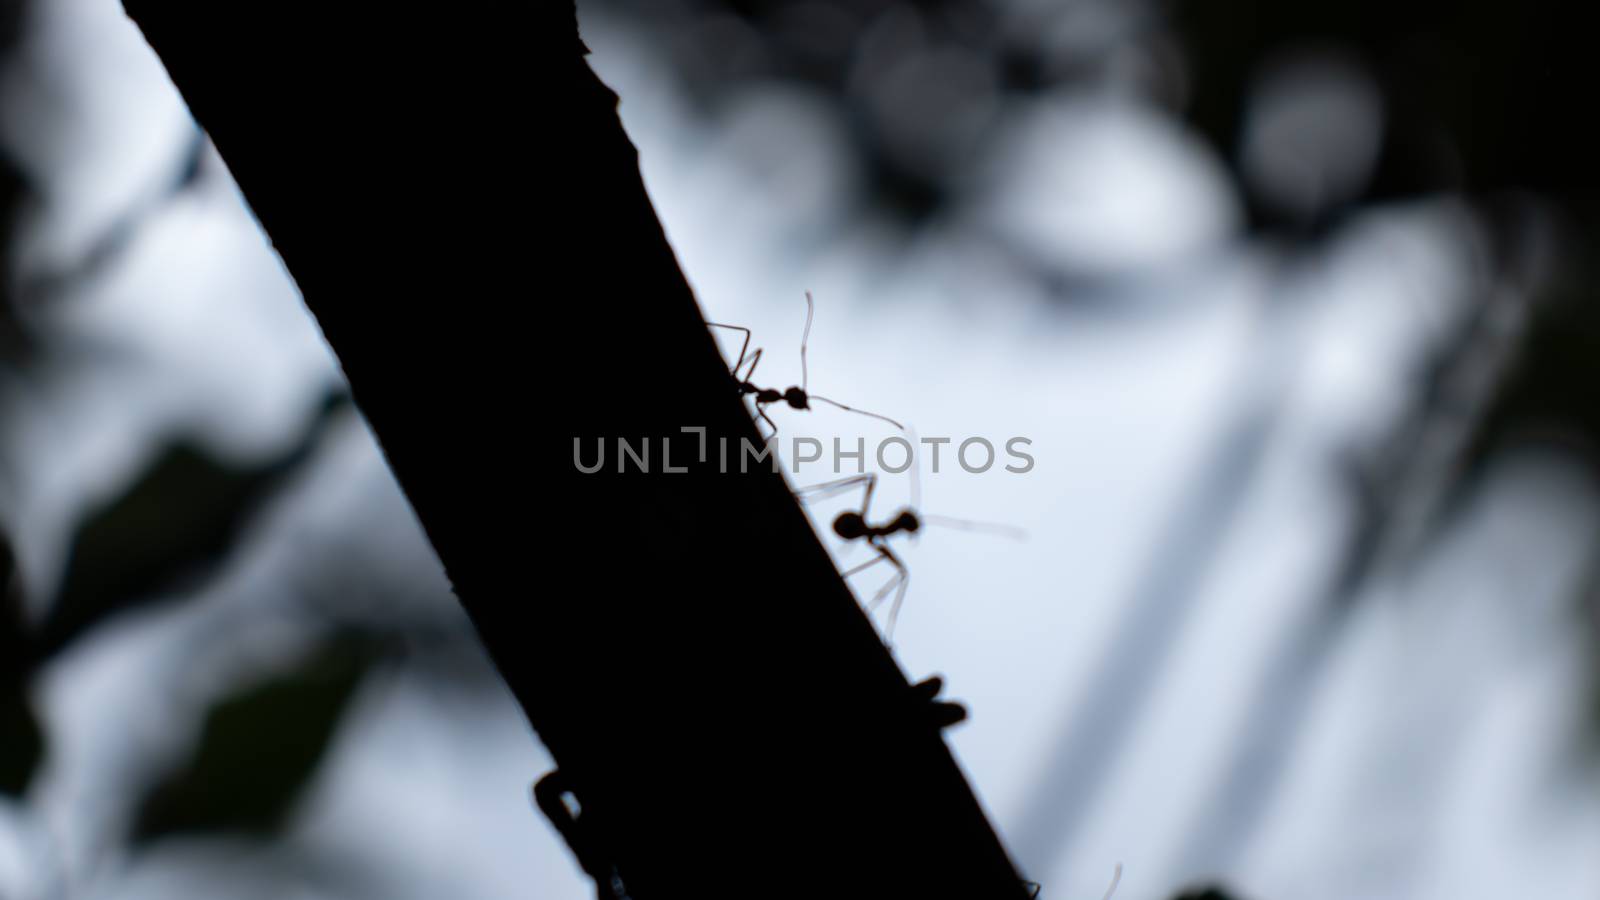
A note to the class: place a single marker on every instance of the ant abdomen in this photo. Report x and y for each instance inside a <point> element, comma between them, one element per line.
<point>796,398</point>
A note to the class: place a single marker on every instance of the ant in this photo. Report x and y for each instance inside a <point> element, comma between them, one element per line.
<point>852,525</point>
<point>796,397</point>
<point>940,714</point>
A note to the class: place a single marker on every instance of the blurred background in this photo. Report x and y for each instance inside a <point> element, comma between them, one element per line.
<point>1292,302</point>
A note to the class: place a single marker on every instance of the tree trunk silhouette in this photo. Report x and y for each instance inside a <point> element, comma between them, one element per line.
<point>454,195</point>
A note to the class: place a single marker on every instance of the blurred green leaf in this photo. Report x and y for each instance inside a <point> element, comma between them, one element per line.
<point>168,530</point>
<point>258,750</point>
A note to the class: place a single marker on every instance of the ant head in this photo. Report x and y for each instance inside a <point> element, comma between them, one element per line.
<point>907,521</point>
<point>850,525</point>
<point>796,398</point>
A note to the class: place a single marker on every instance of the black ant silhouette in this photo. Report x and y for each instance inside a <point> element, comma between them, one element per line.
<point>940,714</point>
<point>796,397</point>
<point>852,525</point>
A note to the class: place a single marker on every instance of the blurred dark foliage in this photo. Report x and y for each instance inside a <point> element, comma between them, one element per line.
<point>13,337</point>
<point>1206,893</point>
<point>42,288</point>
<point>13,191</point>
<point>1480,95</point>
<point>1485,101</point>
<point>914,81</point>
<point>21,739</point>
<point>1549,394</point>
<point>163,537</point>
<point>166,533</point>
<point>169,530</point>
<point>259,749</point>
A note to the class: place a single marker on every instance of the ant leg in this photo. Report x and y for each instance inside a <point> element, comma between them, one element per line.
<point>745,354</point>
<point>761,412</point>
<point>743,349</point>
<point>877,598</point>
<point>840,485</point>
<point>891,584</point>
<point>859,412</point>
<point>755,359</point>
<point>899,598</point>
<point>866,565</point>
<point>898,584</point>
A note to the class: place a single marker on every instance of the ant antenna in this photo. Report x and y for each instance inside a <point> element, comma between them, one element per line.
<point>805,374</point>
<point>859,412</point>
<point>805,338</point>
<point>1116,878</point>
<point>970,525</point>
<point>916,469</point>
<point>947,521</point>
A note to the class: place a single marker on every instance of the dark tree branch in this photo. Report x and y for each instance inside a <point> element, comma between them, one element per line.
<point>464,215</point>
